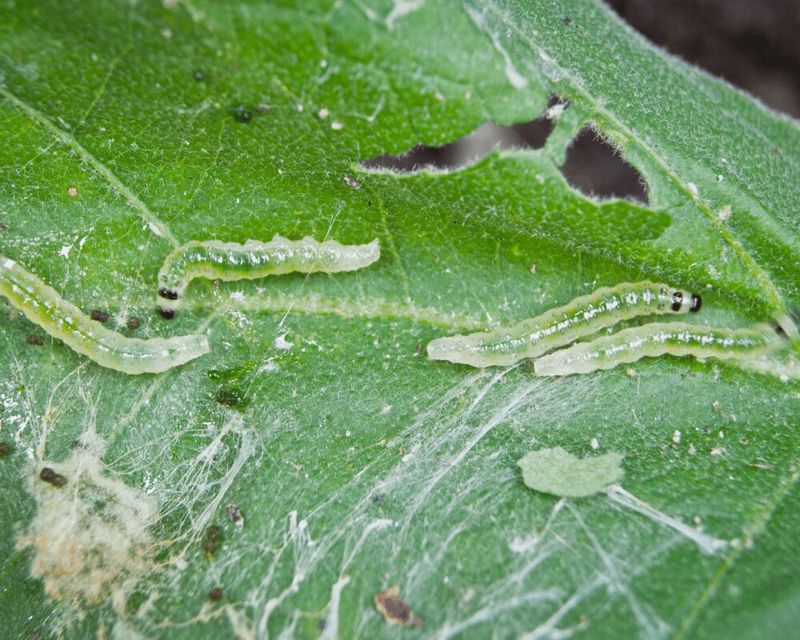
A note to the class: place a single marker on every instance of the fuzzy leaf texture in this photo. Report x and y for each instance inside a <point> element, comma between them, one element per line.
<point>316,458</point>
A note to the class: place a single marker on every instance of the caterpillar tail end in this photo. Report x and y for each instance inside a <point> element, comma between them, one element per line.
<point>182,349</point>
<point>459,350</point>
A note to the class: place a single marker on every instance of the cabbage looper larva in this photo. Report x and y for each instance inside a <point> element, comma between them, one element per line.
<point>42,305</point>
<point>253,259</point>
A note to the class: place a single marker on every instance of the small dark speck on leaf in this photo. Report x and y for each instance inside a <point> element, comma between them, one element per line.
<point>34,339</point>
<point>5,449</point>
<point>51,477</point>
<point>198,75</point>
<point>216,594</point>
<point>3,226</point>
<point>76,444</point>
<point>241,113</point>
<point>233,397</point>
<point>100,316</point>
<point>378,497</point>
<point>352,182</point>
<point>395,609</point>
<point>134,323</point>
<point>323,622</point>
<point>211,540</point>
<point>567,20</point>
<point>235,514</point>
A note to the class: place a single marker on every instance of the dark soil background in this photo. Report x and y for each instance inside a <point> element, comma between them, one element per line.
<point>753,44</point>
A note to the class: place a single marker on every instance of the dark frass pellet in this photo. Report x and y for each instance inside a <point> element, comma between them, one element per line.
<point>34,340</point>
<point>235,514</point>
<point>133,324</point>
<point>5,449</point>
<point>99,316</point>
<point>241,113</point>
<point>211,540</point>
<point>51,477</point>
<point>216,594</point>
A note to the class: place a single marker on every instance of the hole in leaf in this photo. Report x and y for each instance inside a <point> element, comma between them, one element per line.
<point>596,168</point>
<point>469,148</point>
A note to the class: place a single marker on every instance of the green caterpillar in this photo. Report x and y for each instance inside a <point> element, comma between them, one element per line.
<point>561,326</point>
<point>42,305</point>
<point>252,260</point>
<point>656,339</point>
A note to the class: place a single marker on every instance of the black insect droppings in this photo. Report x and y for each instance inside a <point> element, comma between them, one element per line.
<point>697,302</point>
<point>99,316</point>
<point>3,226</point>
<point>566,20</point>
<point>378,498</point>
<point>133,324</point>
<point>212,540</point>
<point>198,75</point>
<point>169,294</point>
<point>169,314</point>
<point>241,113</point>
<point>6,449</point>
<point>322,624</point>
<point>216,594</point>
<point>395,609</point>
<point>34,339</point>
<point>51,477</point>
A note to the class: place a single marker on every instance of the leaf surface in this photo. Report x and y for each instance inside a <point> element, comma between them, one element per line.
<point>356,464</point>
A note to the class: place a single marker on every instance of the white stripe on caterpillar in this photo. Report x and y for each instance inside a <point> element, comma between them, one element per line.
<point>656,339</point>
<point>42,305</point>
<point>253,259</point>
<point>561,326</point>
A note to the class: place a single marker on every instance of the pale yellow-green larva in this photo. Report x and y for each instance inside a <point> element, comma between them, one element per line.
<point>657,339</point>
<point>252,260</point>
<point>42,305</point>
<point>563,325</point>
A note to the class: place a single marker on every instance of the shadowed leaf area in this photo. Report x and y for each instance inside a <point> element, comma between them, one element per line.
<point>355,465</point>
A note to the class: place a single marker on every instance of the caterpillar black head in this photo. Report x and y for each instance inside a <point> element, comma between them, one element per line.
<point>169,294</point>
<point>678,302</point>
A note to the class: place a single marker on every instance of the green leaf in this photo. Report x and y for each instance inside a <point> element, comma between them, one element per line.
<point>358,465</point>
<point>558,472</point>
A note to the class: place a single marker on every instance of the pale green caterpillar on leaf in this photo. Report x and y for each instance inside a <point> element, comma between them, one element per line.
<point>656,339</point>
<point>42,305</point>
<point>557,327</point>
<point>252,260</point>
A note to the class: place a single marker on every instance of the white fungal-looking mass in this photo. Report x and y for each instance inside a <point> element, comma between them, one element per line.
<point>656,339</point>
<point>42,305</point>
<point>563,325</point>
<point>252,260</point>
